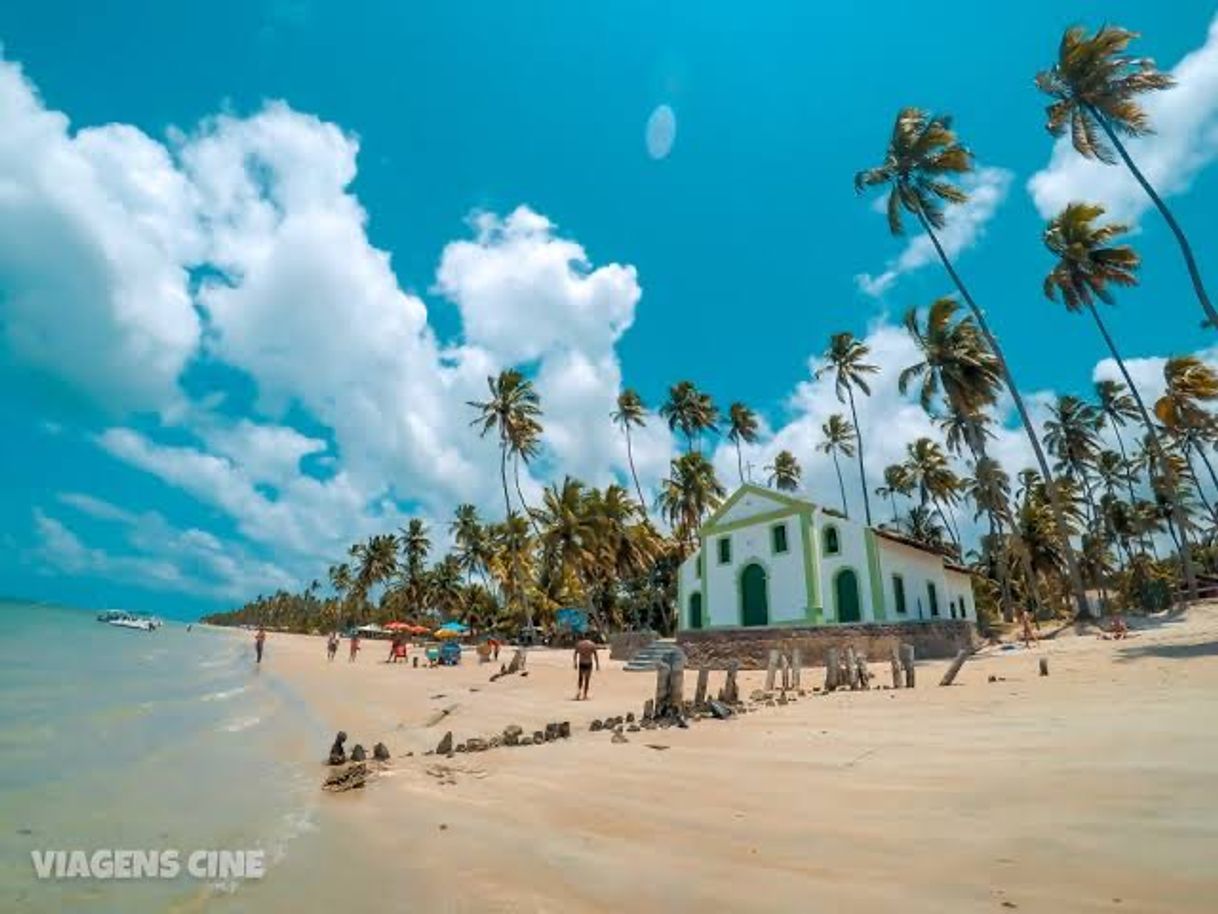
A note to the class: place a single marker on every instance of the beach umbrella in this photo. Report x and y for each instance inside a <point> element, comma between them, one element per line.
<point>454,627</point>
<point>419,630</point>
<point>444,633</point>
<point>398,626</point>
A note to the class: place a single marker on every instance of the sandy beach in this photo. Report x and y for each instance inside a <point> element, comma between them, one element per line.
<point>1089,790</point>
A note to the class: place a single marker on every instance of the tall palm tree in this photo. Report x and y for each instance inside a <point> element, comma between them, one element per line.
<point>1088,263</point>
<point>838,438</point>
<point>896,482</point>
<point>375,562</point>
<point>689,494</point>
<point>1191,383</point>
<point>1094,84</point>
<point>742,426</point>
<point>342,581</point>
<point>631,411</point>
<point>923,157</point>
<point>932,476</point>
<point>524,443</point>
<point>415,545</point>
<point>785,472</point>
<point>1072,436</point>
<point>990,490</point>
<point>1117,407</point>
<point>846,358</point>
<point>955,362</point>
<point>512,405</point>
<point>689,410</point>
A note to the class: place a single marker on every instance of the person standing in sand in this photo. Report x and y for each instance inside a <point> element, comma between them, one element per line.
<point>585,657</point>
<point>354,647</point>
<point>332,646</point>
<point>259,641</point>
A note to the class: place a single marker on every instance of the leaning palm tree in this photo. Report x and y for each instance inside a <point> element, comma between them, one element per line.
<point>896,482</point>
<point>990,490</point>
<point>1088,263</point>
<point>375,562</point>
<point>689,493</point>
<point>690,411</point>
<point>524,443</point>
<point>1117,407</point>
<point>1072,436</point>
<point>631,411</point>
<point>785,472</point>
<point>838,438</point>
<point>742,426</point>
<point>1190,385</point>
<point>955,362</point>
<point>923,157</point>
<point>933,478</point>
<point>846,358</point>
<point>512,406</point>
<point>1094,84</point>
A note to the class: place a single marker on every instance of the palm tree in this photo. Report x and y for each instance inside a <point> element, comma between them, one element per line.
<point>342,582</point>
<point>990,490</point>
<point>896,482</point>
<point>1087,264</point>
<point>444,588</point>
<point>1094,84</point>
<point>742,426</point>
<point>415,545</point>
<point>375,562</point>
<point>955,360</point>
<point>838,438</point>
<point>923,157</point>
<point>1116,406</point>
<point>512,406</point>
<point>691,491</point>
<point>1191,383</point>
<point>689,410</point>
<point>932,477</point>
<point>785,472</point>
<point>631,411</point>
<point>846,358</point>
<point>1072,436</point>
<point>524,443</point>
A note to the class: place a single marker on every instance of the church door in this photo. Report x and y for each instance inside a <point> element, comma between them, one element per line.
<point>754,606</point>
<point>846,594</point>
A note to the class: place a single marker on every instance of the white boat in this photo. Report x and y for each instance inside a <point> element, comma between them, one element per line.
<point>120,619</point>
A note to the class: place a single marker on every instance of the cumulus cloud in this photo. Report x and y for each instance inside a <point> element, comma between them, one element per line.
<point>1185,141</point>
<point>987,189</point>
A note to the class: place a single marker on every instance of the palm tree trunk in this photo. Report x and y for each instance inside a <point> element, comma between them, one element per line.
<point>892,499</point>
<point>1004,584</point>
<point>858,437</point>
<point>1059,515</point>
<point>1200,448</point>
<point>524,504</point>
<point>635,476</point>
<point>739,462</point>
<point>947,525</point>
<point>1186,558</point>
<point>841,485</point>
<point>1116,430</point>
<point>1185,249</point>
<point>507,501</point>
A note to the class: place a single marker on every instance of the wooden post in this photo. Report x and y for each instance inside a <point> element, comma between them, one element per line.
<point>700,690</point>
<point>864,671</point>
<point>852,669</point>
<point>786,673</point>
<point>649,707</point>
<point>907,661</point>
<point>731,693</point>
<point>770,670</point>
<point>832,670</point>
<point>676,683</point>
<point>1044,666</point>
<point>661,700</point>
<point>797,665</point>
<point>961,656</point>
<point>895,660</point>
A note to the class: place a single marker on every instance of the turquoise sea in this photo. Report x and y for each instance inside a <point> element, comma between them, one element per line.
<point>120,739</point>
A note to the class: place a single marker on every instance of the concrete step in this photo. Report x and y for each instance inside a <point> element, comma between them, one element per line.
<point>645,659</point>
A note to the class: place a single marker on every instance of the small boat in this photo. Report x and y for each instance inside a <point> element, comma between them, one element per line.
<point>120,619</point>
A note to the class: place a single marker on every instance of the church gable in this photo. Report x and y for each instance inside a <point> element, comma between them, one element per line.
<point>752,501</point>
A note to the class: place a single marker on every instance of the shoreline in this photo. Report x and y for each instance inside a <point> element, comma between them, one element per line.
<point>1060,793</point>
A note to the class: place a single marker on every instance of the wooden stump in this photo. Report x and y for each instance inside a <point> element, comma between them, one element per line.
<point>731,693</point>
<point>1044,666</point>
<point>649,707</point>
<point>950,675</point>
<point>863,671</point>
<point>661,700</point>
<point>797,665</point>
<point>852,669</point>
<point>907,662</point>
<point>700,689</point>
<point>895,660</point>
<point>786,672</point>
<point>832,670</point>
<point>676,683</point>
<point>770,670</point>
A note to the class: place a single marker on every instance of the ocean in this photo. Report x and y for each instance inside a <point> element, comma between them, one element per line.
<point>169,740</point>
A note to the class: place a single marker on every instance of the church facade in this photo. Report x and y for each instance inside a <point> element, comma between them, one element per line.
<point>767,558</point>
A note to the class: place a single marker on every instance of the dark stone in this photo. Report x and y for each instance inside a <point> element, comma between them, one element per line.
<point>476,744</point>
<point>719,710</point>
<point>380,752</point>
<point>446,744</point>
<point>358,754</point>
<point>346,777</point>
<point>632,728</point>
<point>539,736</point>
<point>630,717</point>
<point>512,734</point>
<point>551,732</point>
<point>338,755</point>
<point>596,725</point>
<point>564,730</point>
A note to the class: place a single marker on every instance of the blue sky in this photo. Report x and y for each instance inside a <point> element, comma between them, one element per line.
<point>254,257</point>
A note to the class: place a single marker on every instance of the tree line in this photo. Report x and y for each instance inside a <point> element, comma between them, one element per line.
<point>1133,525</point>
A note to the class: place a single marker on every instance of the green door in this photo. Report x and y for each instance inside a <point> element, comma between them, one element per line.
<point>695,610</point>
<point>846,594</point>
<point>754,607</point>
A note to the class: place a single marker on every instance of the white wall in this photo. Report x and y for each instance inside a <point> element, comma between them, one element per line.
<point>960,589</point>
<point>852,554</point>
<point>787,596</point>
<point>918,568</point>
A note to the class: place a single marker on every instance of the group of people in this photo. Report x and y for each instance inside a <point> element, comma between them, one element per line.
<point>332,646</point>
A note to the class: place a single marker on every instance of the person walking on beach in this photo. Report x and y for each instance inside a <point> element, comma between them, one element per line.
<point>332,646</point>
<point>259,641</point>
<point>585,657</point>
<point>354,647</point>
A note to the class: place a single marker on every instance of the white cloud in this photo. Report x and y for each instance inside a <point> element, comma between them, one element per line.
<point>987,189</point>
<point>1185,119</point>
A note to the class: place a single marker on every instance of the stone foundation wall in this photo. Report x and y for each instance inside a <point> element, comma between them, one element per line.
<point>751,646</point>
<point>624,645</point>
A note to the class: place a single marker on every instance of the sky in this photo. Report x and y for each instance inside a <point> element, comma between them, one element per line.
<point>256,256</point>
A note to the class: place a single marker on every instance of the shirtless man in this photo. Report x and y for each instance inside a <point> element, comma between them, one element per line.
<point>585,657</point>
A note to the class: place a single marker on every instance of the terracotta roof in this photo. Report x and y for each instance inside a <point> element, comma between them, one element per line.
<point>912,543</point>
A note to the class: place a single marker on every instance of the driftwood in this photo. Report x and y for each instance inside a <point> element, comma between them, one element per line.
<point>895,660</point>
<point>346,777</point>
<point>700,689</point>
<point>907,662</point>
<point>517,662</point>
<point>770,670</point>
<point>833,671</point>
<point>950,675</point>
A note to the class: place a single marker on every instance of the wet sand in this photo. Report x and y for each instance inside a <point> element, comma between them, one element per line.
<point>1089,790</point>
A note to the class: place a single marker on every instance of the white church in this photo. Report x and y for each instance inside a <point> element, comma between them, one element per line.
<point>767,558</point>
